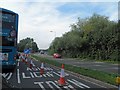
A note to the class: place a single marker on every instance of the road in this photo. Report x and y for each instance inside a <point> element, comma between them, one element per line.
<point>101,66</point>
<point>26,77</point>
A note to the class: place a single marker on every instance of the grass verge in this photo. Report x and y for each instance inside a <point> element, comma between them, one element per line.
<point>99,75</point>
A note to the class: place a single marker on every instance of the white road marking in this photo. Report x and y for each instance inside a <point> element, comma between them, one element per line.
<point>44,75</point>
<point>31,75</point>
<point>51,82</point>
<point>35,74</point>
<point>49,74</point>
<point>66,87</point>
<point>56,74</point>
<point>18,64</point>
<point>18,76</point>
<point>5,75</point>
<point>75,83</point>
<point>23,74</point>
<point>69,86</point>
<point>9,76</point>
<point>40,84</point>
<point>80,83</point>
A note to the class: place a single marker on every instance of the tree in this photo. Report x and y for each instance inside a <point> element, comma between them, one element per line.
<point>95,37</point>
<point>27,43</point>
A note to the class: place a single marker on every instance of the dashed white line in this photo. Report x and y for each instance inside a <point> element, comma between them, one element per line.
<point>18,64</point>
<point>18,76</point>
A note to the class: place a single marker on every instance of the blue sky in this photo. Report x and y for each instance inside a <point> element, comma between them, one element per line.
<point>38,18</point>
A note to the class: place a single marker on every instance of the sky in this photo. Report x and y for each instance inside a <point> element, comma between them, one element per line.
<point>43,20</point>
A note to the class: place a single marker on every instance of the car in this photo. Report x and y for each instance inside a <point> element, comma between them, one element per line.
<point>56,55</point>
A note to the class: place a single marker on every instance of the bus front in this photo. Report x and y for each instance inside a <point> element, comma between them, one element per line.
<point>8,37</point>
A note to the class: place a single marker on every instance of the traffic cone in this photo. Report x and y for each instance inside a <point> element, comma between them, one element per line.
<point>42,68</point>
<point>26,61</point>
<point>62,81</point>
<point>31,63</point>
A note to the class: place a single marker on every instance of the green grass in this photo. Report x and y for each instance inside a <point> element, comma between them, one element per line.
<point>103,76</point>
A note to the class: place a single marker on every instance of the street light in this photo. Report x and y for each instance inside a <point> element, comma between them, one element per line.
<point>54,33</point>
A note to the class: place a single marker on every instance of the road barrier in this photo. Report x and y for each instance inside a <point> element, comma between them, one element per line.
<point>42,68</point>
<point>62,81</point>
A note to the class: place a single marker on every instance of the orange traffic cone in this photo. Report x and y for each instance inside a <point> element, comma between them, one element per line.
<point>61,81</point>
<point>42,68</point>
<point>31,63</point>
<point>26,61</point>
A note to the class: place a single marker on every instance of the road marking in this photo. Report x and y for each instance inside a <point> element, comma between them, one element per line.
<point>18,64</point>
<point>31,75</point>
<point>5,75</point>
<point>80,83</point>
<point>35,74</point>
<point>51,82</point>
<point>44,75</point>
<point>49,74</point>
<point>18,76</point>
<point>24,76</point>
<point>40,84</point>
<point>75,83</point>
<point>66,87</point>
<point>69,86</point>
<point>56,74</point>
<point>9,76</point>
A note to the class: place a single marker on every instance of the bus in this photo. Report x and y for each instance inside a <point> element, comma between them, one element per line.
<point>8,38</point>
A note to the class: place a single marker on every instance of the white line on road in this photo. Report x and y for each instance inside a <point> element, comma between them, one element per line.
<point>24,76</point>
<point>56,73</point>
<point>80,83</point>
<point>18,76</point>
<point>5,75</point>
<point>75,83</point>
<point>40,84</point>
<point>9,76</point>
<point>48,82</point>
<point>18,64</point>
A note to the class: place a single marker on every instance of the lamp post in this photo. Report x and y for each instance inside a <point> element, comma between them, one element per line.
<point>54,33</point>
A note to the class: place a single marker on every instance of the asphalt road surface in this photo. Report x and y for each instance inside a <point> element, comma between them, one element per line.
<point>26,77</point>
<point>101,66</point>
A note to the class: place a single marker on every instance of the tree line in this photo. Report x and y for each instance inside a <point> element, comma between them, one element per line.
<point>27,43</point>
<point>95,37</point>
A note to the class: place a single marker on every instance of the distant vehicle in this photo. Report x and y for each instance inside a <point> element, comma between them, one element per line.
<point>56,55</point>
<point>42,52</point>
<point>8,37</point>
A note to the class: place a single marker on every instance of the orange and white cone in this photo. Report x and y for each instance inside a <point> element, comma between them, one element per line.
<point>31,64</point>
<point>62,81</point>
<point>42,68</point>
<point>26,61</point>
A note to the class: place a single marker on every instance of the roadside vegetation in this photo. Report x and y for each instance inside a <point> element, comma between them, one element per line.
<point>95,38</point>
<point>103,76</point>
